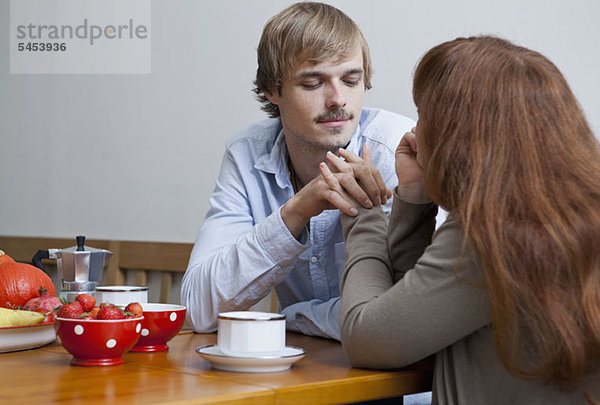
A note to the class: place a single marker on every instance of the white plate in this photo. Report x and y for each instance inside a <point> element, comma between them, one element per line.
<point>279,361</point>
<point>26,337</point>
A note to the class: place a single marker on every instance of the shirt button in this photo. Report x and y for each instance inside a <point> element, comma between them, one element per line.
<point>313,259</point>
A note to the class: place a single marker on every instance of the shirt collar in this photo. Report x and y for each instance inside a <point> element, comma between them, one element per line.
<point>275,162</point>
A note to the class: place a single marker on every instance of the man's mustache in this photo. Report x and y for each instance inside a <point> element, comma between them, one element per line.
<point>331,115</point>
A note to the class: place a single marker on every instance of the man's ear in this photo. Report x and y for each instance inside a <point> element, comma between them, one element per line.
<point>273,96</point>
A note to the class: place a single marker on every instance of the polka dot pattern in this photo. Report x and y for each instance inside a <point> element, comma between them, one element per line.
<point>110,343</point>
<point>145,332</point>
<point>99,342</point>
<point>173,316</point>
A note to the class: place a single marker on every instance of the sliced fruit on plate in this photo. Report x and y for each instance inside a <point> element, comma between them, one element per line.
<point>17,317</point>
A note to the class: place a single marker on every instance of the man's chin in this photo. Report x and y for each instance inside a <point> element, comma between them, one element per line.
<point>336,144</point>
<point>341,135</point>
<point>335,130</point>
<point>332,138</point>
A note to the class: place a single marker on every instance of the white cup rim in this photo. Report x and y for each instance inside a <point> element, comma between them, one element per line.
<point>250,316</point>
<point>121,288</point>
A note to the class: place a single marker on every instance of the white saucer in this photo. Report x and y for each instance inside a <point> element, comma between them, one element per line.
<point>278,361</point>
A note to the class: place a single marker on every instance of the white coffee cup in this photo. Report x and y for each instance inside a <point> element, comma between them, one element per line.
<point>250,334</point>
<point>121,294</point>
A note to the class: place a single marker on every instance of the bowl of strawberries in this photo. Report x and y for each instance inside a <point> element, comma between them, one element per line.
<point>160,324</point>
<point>97,335</point>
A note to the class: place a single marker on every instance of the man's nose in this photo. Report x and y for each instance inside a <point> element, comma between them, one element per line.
<point>335,96</point>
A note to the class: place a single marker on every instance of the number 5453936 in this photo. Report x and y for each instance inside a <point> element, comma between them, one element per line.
<point>41,46</point>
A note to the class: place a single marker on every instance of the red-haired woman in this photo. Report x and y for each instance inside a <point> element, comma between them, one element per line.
<point>506,293</point>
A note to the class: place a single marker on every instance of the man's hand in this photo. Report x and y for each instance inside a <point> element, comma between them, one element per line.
<point>354,179</point>
<point>359,177</point>
<point>310,201</point>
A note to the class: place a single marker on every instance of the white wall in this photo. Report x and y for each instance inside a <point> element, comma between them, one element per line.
<point>135,157</point>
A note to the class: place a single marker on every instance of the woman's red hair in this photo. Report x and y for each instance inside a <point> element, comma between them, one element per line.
<point>508,148</point>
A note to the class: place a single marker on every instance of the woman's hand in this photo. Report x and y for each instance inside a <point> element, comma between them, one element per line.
<point>355,181</point>
<point>359,177</point>
<point>408,169</point>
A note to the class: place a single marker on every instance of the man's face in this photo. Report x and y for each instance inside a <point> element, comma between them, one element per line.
<point>320,104</point>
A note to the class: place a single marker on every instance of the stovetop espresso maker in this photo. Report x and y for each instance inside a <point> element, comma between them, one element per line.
<point>79,267</point>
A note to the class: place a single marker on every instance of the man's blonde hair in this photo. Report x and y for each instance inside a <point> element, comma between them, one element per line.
<point>305,31</point>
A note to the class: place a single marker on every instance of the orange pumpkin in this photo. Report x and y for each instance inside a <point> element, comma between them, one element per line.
<point>19,282</point>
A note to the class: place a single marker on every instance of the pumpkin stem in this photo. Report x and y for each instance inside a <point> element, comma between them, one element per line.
<point>43,291</point>
<point>2,253</point>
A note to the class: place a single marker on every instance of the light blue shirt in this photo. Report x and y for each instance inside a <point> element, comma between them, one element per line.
<point>244,249</point>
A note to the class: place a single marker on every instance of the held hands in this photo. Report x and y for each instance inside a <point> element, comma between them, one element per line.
<point>346,183</point>
<point>349,182</point>
<point>354,181</point>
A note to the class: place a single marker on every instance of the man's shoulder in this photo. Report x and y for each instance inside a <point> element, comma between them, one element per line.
<point>384,127</point>
<point>376,117</point>
<point>261,134</point>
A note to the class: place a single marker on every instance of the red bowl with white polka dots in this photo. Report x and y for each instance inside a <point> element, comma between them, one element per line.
<point>161,323</point>
<point>98,342</point>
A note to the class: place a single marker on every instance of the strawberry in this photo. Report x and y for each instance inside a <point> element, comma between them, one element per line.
<point>94,312</point>
<point>71,310</point>
<point>87,301</point>
<point>86,316</point>
<point>110,312</point>
<point>134,310</point>
<point>49,317</point>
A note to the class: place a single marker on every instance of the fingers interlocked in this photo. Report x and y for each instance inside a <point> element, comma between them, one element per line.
<point>336,194</point>
<point>355,180</point>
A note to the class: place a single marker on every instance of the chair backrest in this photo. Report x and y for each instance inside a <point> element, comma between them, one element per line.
<point>131,263</point>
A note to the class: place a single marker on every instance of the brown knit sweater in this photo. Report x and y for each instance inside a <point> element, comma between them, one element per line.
<point>418,300</point>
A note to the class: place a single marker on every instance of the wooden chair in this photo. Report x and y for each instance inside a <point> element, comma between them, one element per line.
<point>141,258</point>
<point>131,264</point>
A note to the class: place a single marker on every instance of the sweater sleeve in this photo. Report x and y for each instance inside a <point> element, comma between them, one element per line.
<point>403,303</point>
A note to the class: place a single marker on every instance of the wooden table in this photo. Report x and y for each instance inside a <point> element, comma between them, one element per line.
<point>44,375</point>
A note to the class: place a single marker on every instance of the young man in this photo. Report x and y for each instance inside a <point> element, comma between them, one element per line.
<point>271,223</point>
